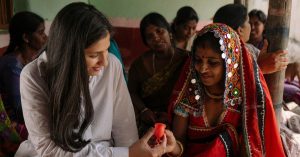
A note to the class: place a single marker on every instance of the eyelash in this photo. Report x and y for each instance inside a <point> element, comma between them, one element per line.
<point>197,61</point>
<point>94,56</point>
<point>211,63</point>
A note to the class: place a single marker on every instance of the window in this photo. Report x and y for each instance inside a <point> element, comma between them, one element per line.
<point>6,12</point>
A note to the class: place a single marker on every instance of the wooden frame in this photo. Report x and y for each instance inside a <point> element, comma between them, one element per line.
<point>6,12</point>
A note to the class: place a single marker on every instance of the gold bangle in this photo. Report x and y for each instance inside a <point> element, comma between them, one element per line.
<point>181,149</point>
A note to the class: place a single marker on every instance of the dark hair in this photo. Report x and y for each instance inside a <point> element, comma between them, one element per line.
<point>184,15</point>
<point>261,16</point>
<point>75,27</point>
<point>155,19</point>
<point>233,15</point>
<point>206,40</point>
<point>22,23</point>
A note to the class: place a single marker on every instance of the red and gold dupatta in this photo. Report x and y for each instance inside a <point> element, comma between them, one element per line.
<point>245,90</point>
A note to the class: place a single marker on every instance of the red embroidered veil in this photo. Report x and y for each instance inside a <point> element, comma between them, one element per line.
<point>248,127</point>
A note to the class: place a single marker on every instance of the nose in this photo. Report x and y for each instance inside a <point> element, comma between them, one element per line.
<point>156,37</point>
<point>190,31</point>
<point>252,26</point>
<point>45,37</point>
<point>203,68</point>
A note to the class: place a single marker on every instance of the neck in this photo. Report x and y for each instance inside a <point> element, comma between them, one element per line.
<point>164,57</point>
<point>164,54</point>
<point>25,55</point>
<point>256,40</point>
<point>180,41</point>
<point>181,44</point>
<point>214,93</point>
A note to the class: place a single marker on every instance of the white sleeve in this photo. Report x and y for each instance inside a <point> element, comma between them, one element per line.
<point>124,130</point>
<point>34,96</point>
<point>293,51</point>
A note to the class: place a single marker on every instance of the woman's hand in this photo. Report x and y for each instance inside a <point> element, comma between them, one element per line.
<point>292,71</point>
<point>270,62</point>
<point>142,148</point>
<point>172,146</point>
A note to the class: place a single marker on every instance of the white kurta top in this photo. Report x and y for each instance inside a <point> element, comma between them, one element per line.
<point>112,130</point>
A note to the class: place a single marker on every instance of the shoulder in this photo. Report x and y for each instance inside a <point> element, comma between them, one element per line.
<point>113,61</point>
<point>109,76</point>
<point>253,50</point>
<point>10,61</point>
<point>114,67</point>
<point>139,61</point>
<point>34,70</point>
<point>182,53</point>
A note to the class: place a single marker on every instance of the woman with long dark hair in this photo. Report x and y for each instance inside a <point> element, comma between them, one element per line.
<point>75,99</point>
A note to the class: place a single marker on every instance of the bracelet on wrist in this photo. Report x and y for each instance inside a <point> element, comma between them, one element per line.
<point>180,147</point>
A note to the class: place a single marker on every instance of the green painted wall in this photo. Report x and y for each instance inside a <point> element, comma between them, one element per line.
<point>131,9</point>
<point>136,9</point>
<point>45,8</point>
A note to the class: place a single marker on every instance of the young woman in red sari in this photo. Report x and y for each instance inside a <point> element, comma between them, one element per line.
<point>221,105</point>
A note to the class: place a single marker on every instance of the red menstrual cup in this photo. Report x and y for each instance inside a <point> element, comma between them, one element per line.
<point>159,130</point>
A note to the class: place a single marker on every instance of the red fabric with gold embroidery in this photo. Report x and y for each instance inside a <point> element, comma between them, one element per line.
<point>248,126</point>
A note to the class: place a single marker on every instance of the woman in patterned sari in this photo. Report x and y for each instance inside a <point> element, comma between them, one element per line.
<point>153,75</point>
<point>221,105</point>
<point>9,138</point>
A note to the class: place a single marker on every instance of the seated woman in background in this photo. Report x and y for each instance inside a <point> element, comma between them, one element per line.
<point>223,107</point>
<point>152,76</point>
<point>27,36</point>
<point>184,27</point>
<point>9,138</point>
<point>257,20</point>
<point>236,16</point>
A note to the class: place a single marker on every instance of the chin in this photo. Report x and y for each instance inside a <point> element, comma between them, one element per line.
<point>207,83</point>
<point>188,38</point>
<point>94,73</point>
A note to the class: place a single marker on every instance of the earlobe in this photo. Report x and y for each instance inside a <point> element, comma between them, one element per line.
<point>25,38</point>
<point>239,30</point>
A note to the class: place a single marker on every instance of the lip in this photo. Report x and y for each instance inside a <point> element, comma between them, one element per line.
<point>205,77</point>
<point>160,44</point>
<point>96,68</point>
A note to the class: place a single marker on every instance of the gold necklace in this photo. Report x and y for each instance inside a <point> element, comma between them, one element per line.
<point>212,95</point>
<point>153,61</point>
